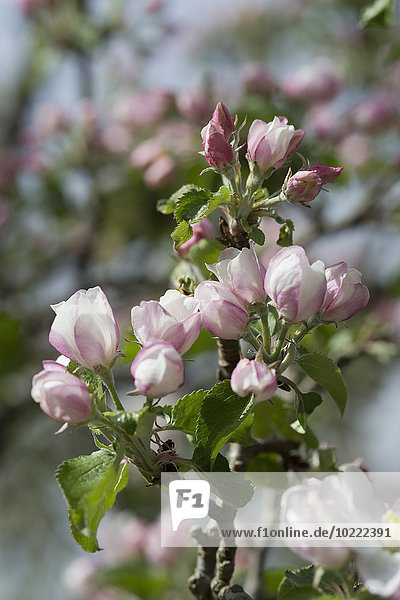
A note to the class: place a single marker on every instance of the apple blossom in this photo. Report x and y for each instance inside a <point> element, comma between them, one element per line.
<point>270,144</point>
<point>61,395</point>
<point>175,319</point>
<point>253,376</point>
<point>297,288</point>
<point>222,313</point>
<point>85,329</point>
<point>217,150</point>
<point>157,369</point>
<point>379,571</point>
<point>241,271</point>
<point>347,497</point>
<point>222,117</point>
<point>306,184</point>
<point>345,294</point>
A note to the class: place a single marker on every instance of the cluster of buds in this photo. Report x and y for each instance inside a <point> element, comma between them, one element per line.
<point>85,330</point>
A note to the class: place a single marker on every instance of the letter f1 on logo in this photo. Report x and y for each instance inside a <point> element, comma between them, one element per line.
<point>188,499</point>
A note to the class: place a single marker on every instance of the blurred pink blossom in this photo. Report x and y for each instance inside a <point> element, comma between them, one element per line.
<point>257,79</point>
<point>193,105</point>
<point>315,81</point>
<point>355,150</point>
<point>160,172</point>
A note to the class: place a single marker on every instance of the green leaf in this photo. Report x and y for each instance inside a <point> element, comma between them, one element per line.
<point>298,585</point>
<point>192,205</point>
<point>201,461</point>
<point>139,579</point>
<point>185,411</point>
<point>123,420</point>
<point>327,374</point>
<point>327,459</point>
<point>243,434</point>
<point>308,436</point>
<point>166,206</point>
<point>306,405</point>
<point>196,203</point>
<point>273,419</point>
<point>379,13</point>
<point>301,593</point>
<point>257,236</point>
<point>90,485</point>
<point>273,319</point>
<point>221,412</point>
<point>89,378</point>
<point>286,234</point>
<point>182,233</point>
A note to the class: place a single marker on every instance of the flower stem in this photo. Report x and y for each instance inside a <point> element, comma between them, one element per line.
<point>279,344</point>
<point>107,378</point>
<point>263,312</point>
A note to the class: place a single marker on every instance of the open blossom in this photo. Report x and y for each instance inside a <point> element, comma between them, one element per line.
<point>201,230</point>
<point>62,396</point>
<point>305,185</point>
<point>85,329</point>
<point>157,369</point>
<point>222,313</point>
<point>253,376</point>
<point>215,135</point>
<point>347,497</point>
<point>241,271</point>
<point>269,145</point>
<point>297,288</point>
<point>345,294</point>
<point>175,319</point>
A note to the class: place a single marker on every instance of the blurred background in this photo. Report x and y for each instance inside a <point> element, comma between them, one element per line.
<point>101,106</point>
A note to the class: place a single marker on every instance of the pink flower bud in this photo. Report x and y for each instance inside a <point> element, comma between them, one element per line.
<point>222,313</point>
<point>201,230</point>
<point>316,81</point>
<point>269,145</point>
<point>305,185</point>
<point>85,329</point>
<point>241,271</point>
<point>253,376</point>
<point>62,396</point>
<point>175,319</point>
<point>345,294</point>
<point>297,288</point>
<point>157,370</point>
<point>327,174</point>
<point>217,151</point>
<point>222,117</point>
